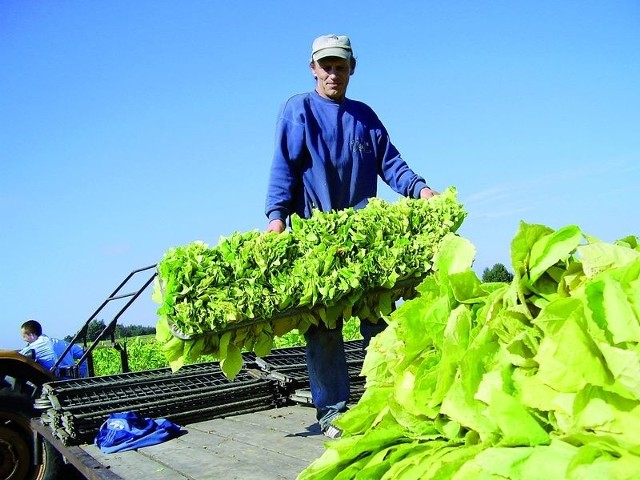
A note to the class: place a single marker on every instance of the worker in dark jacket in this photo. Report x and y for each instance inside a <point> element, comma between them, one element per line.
<point>329,152</point>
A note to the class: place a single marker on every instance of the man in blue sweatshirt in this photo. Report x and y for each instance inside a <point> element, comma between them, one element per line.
<point>329,152</point>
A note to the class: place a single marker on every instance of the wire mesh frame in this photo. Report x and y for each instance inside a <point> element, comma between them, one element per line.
<point>154,388</point>
<point>196,392</point>
<point>134,377</point>
<point>74,430</point>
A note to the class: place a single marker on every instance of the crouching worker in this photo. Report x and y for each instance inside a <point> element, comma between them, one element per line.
<point>46,351</point>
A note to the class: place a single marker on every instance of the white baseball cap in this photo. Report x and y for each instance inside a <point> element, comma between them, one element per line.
<point>331,46</point>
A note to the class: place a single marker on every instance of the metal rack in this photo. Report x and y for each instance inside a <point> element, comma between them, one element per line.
<point>75,409</point>
<point>288,368</point>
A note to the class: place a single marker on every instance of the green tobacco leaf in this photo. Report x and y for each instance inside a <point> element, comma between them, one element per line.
<point>369,412</point>
<point>526,236</point>
<point>607,300</point>
<point>606,418</point>
<point>518,428</point>
<point>624,365</point>
<point>631,241</point>
<point>521,463</point>
<point>455,344</point>
<point>174,353</point>
<point>552,248</point>
<point>467,287</point>
<point>568,356</point>
<point>378,465</point>
<point>263,345</point>
<point>349,449</point>
<point>163,332</point>
<point>461,407</point>
<point>231,364</point>
<point>598,257</point>
<point>594,462</point>
<point>456,254</point>
<point>443,463</point>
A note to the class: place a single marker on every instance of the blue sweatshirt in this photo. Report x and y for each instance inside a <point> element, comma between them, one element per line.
<point>328,156</point>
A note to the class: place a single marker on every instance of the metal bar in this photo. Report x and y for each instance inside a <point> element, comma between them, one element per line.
<point>83,330</point>
<point>85,463</point>
<point>124,295</point>
<point>110,328</point>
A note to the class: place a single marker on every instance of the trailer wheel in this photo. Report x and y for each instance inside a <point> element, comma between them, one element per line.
<point>16,443</point>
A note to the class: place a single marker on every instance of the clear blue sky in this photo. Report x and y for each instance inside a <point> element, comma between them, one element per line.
<point>129,127</point>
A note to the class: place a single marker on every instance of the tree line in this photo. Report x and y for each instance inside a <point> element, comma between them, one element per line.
<point>121,331</point>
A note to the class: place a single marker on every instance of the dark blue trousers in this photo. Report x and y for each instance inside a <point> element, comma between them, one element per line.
<point>327,367</point>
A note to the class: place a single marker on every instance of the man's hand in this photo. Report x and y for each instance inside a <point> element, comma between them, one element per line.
<point>427,193</point>
<point>277,226</point>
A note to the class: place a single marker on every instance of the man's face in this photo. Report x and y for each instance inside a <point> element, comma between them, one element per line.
<point>28,337</point>
<point>332,77</point>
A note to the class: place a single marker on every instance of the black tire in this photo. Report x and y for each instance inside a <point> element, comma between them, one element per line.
<point>16,443</point>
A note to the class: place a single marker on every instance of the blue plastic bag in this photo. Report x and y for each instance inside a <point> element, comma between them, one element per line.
<point>127,431</point>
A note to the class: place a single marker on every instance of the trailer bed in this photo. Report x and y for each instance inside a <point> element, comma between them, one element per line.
<point>271,444</point>
<point>259,425</point>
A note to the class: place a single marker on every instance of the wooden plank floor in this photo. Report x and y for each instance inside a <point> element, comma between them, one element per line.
<point>272,444</point>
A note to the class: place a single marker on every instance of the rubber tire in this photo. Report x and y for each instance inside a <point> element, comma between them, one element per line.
<point>16,443</point>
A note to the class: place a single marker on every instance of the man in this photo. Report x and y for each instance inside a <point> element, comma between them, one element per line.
<point>46,351</point>
<point>329,152</point>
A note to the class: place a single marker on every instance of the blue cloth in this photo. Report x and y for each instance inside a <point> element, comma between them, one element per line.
<point>75,353</point>
<point>127,431</point>
<point>328,156</point>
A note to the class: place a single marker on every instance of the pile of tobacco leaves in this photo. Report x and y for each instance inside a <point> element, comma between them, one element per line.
<point>538,378</point>
<point>354,263</point>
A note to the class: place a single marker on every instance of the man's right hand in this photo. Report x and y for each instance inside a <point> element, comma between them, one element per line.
<point>277,226</point>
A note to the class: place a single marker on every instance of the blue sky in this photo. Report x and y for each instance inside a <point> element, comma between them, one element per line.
<point>127,128</point>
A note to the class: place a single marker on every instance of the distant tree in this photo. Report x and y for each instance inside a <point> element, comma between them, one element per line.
<point>94,329</point>
<point>497,273</point>
<point>136,331</point>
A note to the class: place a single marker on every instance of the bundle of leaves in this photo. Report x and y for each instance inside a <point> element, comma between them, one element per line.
<point>538,378</point>
<point>253,286</point>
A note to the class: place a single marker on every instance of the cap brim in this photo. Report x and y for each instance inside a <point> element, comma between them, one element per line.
<point>332,52</point>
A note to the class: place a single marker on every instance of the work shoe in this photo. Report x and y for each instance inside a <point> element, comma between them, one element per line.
<point>327,422</point>
<point>332,432</point>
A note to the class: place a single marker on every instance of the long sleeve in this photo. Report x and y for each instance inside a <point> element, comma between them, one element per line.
<point>394,171</point>
<point>45,354</point>
<point>284,174</point>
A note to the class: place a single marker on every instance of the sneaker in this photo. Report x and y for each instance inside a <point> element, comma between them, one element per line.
<point>332,432</point>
